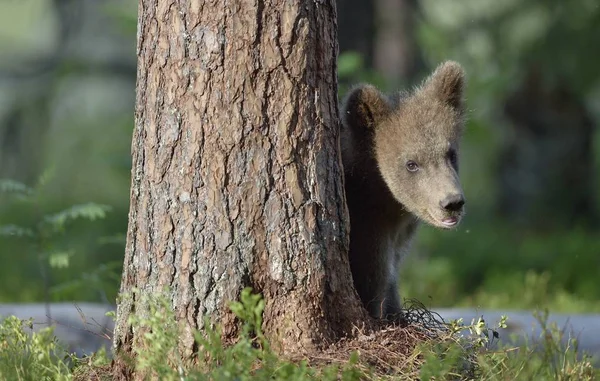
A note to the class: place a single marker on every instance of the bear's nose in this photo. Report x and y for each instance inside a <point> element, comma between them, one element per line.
<point>453,202</point>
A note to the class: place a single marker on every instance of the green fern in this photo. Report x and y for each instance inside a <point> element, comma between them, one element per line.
<point>89,211</point>
<point>43,231</point>
<point>13,186</point>
<point>45,177</point>
<point>16,231</point>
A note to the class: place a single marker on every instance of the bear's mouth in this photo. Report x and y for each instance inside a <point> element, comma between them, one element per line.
<point>447,222</point>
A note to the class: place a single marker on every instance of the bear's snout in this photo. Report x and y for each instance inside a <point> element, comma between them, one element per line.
<point>453,202</point>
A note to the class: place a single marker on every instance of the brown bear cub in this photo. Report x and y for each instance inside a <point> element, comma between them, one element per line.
<point>400,166</point>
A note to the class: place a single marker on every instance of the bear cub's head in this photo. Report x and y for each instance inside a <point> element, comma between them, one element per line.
<point>415,140</point>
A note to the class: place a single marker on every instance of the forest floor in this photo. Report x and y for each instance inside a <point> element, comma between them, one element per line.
<point>84,327</point>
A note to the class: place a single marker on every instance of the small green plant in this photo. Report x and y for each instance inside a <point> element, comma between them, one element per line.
<point>250,358</point>
<point>158,353</point>
<point>454,355</point>
<point>462,352</point>
<point>547,358</point>
<point>41,229</point>
<point>30,356</point>
<point>474,357</point>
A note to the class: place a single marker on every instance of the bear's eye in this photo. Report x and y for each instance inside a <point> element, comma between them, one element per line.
<point>452,157</point>
<point>412,166</point>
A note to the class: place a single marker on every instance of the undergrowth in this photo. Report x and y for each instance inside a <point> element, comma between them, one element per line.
<point>455,351</point>
<point>27,355</point>
<point>42,237</point>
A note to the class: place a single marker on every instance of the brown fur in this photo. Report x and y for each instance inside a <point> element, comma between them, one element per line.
<point>380,136</point>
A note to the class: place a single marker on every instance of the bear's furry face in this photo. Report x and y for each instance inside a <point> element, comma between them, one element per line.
<point>417,151</point>
<point>416,142</point>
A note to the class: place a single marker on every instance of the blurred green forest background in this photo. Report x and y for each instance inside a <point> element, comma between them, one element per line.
<point>529,160</point>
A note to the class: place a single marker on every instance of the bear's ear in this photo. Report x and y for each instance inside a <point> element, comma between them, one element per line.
<point>365,106</point>
<point>447,84</point>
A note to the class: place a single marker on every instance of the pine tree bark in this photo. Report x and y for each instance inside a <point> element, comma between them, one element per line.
<point>236,173</point>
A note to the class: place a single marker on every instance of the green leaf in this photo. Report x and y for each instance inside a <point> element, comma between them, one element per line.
<point>15,231</point>
<point>60,259</point>
<point>45,177</point>
<point>13,186</point>
<point>89,211</point>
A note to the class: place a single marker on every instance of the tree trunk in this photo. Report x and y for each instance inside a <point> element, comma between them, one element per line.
<point>396,52</point>
<point>236,174</point>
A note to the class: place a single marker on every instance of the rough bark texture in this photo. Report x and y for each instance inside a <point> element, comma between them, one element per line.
<point>236,177</point>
